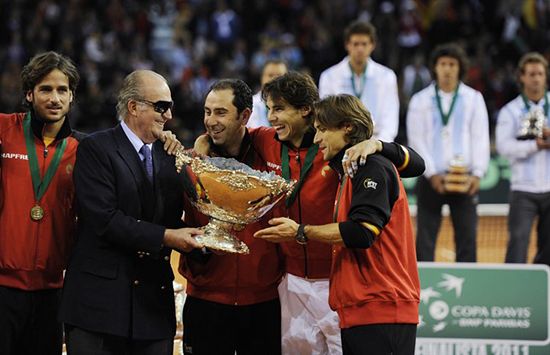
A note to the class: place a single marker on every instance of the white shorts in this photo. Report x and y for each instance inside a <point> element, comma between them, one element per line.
<point>308,325</point>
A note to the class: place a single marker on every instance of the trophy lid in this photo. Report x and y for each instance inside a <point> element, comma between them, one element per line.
<point>457,165</point>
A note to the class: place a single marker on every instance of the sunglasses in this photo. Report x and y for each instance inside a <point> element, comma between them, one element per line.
<point>159,106</point>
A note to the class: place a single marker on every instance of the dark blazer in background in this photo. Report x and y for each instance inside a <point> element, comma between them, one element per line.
<point>119,278</point>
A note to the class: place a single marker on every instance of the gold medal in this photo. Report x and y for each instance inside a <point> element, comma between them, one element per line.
<point>37,213</point>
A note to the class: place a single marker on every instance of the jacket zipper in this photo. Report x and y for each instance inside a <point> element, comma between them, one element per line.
<point>45,153</point>
<point>236,303</point>
<point>304,247</point>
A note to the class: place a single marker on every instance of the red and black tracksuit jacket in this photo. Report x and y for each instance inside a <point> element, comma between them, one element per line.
<point>374,276</point>
<point>33,254</point>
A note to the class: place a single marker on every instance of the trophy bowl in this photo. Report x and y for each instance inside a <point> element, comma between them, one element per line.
<point>532,124</point>
<point>232,195</point>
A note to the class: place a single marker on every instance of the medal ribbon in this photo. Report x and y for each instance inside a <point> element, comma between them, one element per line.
<point>545,107</point>
<point>39,186</point>
<point>310,155</point>
<point>357,93</point>
<point>445,117</point>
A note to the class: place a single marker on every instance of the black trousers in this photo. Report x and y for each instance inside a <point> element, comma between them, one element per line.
<point>82,342</point>
<point>211,328</point>
<point>28,322</point>
<point>379,339</point>
<point>428,221</point>
<point>524,207</point>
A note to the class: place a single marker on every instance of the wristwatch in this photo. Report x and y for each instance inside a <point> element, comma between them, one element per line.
<point>301,237</point>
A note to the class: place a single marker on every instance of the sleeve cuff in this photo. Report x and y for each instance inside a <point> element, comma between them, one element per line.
<point>355,235</point>
<point>479,173</point>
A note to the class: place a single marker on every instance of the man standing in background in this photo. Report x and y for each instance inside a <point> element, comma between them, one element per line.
<point>530,161</point>
<point>272,69</point>
<point>357,74</point>
<point>448,125</point>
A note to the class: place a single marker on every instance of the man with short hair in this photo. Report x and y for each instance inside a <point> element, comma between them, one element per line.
<point>272,69</point>
<point>118,296</point>
<point>232,296</point>
<point>530,161</point>
<point>448,125</point>
<point>358,74</point>
<point>374,284</point>
<point>37,215</point>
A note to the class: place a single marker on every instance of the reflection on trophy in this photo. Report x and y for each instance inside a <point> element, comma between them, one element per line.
<point>532,124</point>
<point>457,179</point>
<point>232,194</point>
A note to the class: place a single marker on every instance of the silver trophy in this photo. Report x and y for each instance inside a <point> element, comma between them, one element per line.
<point>532,124</point>
<point>232,194</point>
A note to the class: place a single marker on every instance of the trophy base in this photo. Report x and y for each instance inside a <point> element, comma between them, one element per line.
<point>217,235</point>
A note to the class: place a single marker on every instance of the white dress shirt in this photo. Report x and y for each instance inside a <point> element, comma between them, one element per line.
<point>466,134</point>
<point>379,94</point>
<point>258,118</point>
<point>137,143</point>
<point>530,166</point>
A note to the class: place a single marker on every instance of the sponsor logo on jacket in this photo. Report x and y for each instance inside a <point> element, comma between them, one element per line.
<point>370,184</point>
<point>15,156</point>
<point>273,166</point>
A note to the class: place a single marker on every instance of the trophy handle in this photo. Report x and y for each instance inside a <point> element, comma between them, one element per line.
<point>218,235</point>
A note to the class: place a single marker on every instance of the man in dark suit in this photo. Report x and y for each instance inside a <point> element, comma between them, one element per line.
<point>118,296</point>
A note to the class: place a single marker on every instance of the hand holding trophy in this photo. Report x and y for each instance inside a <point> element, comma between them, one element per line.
<point>457,179</point>
<point>532,124</point>
<point>232,194</point>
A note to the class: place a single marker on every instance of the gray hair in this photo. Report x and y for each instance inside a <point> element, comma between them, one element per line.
<point>130,90</point>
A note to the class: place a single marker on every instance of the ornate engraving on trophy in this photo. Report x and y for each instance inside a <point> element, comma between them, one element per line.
<point>532,124</point>
<point>232,194</point>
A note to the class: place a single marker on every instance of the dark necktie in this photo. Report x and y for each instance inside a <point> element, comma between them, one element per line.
<point>147,161</point>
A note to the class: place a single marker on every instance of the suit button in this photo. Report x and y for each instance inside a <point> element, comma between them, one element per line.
<point>140,255</point>
<point>147,254</point>
<point>167,258</point>
<point>162,287</point>
<point>136,282</point>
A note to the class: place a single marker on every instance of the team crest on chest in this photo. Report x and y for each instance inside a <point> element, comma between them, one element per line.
<point>325,171</point>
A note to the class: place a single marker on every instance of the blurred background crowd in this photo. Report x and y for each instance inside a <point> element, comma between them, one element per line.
<point>194,42</point>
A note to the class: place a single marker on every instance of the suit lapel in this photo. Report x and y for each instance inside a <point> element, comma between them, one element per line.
<point>127,152</point>
<point>129,155</point>
<point>159,159</point>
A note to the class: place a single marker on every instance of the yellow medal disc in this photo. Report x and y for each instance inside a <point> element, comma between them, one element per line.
<point>37,213</point>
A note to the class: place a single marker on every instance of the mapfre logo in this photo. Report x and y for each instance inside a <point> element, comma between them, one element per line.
<point>273,166</point>
<point>15,156</point>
